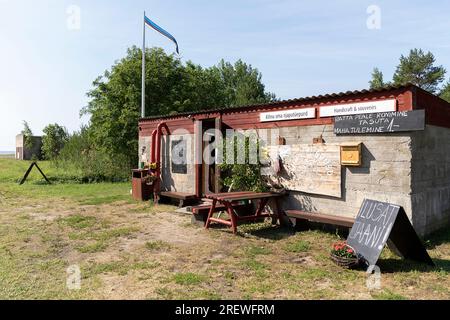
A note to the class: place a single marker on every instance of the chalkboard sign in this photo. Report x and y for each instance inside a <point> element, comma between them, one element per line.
<point>383,122</point>
<point>179,156</point>
<point>376,223</point>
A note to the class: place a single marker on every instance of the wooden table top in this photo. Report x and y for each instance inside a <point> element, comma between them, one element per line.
<point>238,196</point>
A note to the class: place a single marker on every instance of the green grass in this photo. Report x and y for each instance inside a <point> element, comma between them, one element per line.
<point>254,251</point>
<point>254,265</point>
<point>259,268</point>
<point>94,247</point>
<point>79,221</point>
<point>262,287</point>
<point>88,228</point>
<point>102,238</point>
<point>188,279</point>
<point>43,228</point>
<point>106,200</point>
<point>157,245</point>
<point>78,192</point>
<point>164,293</point>
<point>298,246</point>
<point>314,274</point>
<point>122,267</point>
<point>388,295</point>
<point>114,233</point>
<point>12,170</point>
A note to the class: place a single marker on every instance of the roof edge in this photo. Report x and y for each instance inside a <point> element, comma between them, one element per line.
<point>275,103</point>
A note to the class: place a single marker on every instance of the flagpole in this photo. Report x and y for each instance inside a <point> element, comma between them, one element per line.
<point>143,73</point>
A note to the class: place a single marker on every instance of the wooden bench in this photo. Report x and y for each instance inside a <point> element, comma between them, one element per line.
<point>182,197</point>
<point>300,217</point>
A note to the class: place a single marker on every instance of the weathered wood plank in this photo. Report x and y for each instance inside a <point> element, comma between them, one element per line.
<point>312,169</point>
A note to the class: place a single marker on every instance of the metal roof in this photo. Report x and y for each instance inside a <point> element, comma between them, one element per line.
<point>275,103</point>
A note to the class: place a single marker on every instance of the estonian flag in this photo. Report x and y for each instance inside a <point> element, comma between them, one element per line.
<point>153,25</point>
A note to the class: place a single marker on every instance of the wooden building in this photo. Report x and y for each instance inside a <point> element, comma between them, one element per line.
<point>338,149</point>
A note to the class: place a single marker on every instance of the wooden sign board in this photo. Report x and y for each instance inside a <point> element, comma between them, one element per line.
<point>376,223</point>
<point>307,113</point>
<point>312,168</point>
<point>383,122</point>
<point>359,108</point>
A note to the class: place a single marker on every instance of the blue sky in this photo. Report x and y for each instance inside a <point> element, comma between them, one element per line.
<point>302,48</point>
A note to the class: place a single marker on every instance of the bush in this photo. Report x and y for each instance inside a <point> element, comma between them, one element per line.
<point>246,176</point>
<point>90,164</point>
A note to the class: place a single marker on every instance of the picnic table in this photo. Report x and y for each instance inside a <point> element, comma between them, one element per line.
<point>228,199</point>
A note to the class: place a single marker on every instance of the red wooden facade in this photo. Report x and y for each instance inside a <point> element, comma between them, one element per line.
<point>408,97</point>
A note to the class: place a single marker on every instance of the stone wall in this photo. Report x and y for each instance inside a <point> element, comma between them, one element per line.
<point>385,174</point>
<point>431,178</point>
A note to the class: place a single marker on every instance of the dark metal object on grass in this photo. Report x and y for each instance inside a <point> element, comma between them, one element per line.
<point>34,164</point>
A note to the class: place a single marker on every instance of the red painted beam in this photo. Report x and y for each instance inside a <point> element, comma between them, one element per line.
<point>221,221</point>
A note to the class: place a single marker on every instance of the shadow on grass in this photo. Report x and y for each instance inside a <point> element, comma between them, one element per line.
<point>404,265</point>
<point>437,238</point>
<point>431,242</point>
<point>265,231</point>
<point>258,230</point>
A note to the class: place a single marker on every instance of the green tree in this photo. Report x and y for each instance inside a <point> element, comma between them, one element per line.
<point>27,135</point>
<point>377,81</point>
<point>114,106</point>
<point>419,68</point>
<point>445,92</point>
<point>55,136</point>
<point>242,84</point>
<point>171,87</point>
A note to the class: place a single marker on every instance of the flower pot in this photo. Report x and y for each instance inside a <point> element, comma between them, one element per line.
<point>345,262</point>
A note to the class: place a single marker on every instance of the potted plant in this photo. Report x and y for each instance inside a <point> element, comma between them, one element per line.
<point>150,179</point>
<point>344,255</point>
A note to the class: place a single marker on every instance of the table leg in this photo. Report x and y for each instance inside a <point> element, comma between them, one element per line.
<point>262,204</point>
<point>210,214</point>
<point>232,216</point>
<point>279,214</point>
